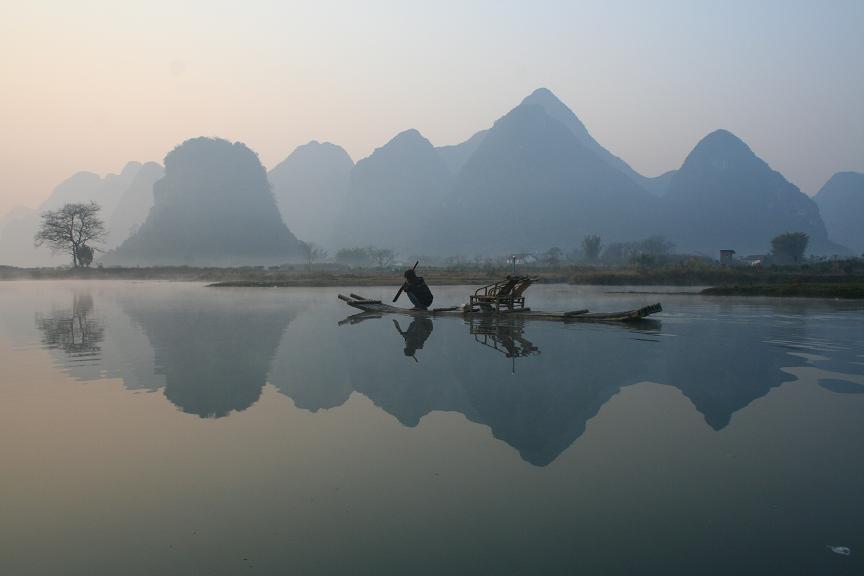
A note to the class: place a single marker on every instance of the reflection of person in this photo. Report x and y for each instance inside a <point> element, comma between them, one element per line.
<point>416,334</point>
<point>417,290</point>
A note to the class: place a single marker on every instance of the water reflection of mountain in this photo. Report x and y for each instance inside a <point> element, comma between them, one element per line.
<point>210,353</point>
<point>89,338</point>
<point>213,354</point>
<point>310,366</point>
<point>540,410</point>
<point>213,351</point>
<point>721,369</point>
<point>546,405</point>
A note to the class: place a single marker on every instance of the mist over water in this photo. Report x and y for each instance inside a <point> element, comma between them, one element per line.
<point>225,430</point>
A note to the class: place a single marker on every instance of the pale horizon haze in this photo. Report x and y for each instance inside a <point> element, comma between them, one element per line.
<point>92,85</point>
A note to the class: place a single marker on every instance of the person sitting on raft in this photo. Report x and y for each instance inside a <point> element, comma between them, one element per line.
<point>417,290</point>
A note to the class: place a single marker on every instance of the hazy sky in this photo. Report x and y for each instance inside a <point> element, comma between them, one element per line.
<point>88,85</point>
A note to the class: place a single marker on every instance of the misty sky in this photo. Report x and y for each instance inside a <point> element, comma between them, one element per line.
<point>89,85</point>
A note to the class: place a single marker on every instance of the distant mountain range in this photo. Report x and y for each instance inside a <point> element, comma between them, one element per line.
<point>455,156</point>
<point>538,179</point>
<point>724,195</point>
<point>841,203</point>
<point>534,180</point>
<point>134,204</point>
<point>309,185</point>
<point>125,199</point>
<point>531,184</point>
<point>394,195</point>
<point>213,207</point>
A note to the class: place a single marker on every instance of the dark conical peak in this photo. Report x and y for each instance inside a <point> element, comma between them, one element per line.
<point>841,203</point>
<point>318,149</point>
<point>544,98</point>
<point>131,168</point>
<point>316,144</point>
<point>126,175</point>
<point>723,143</point>
<point>150,165</point>
<point>81,177</point>
<point>411,137</point>
<point>848,182</point>
<point>147,171</point>
<point>405,145</point>
<point>554,108</point>
<point>721,137</point>
<point>308,148</point>
<point>526,117</point>
<point>205,150</point>
<point>721,150</point>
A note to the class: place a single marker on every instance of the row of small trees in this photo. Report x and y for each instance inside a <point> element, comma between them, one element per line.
<point>370,255</point>
<point>787,248</point>
<point>76,228</point>
<point>592,251</point>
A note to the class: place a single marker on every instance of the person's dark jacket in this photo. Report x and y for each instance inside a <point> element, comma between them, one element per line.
<point>418,288</point>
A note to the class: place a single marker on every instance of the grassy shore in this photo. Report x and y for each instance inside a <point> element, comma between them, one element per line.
<point>266,277</point>
<point>843,276</point>
<point>791,290</point>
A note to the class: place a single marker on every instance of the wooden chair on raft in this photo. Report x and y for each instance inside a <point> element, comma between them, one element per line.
<point>504,295</point>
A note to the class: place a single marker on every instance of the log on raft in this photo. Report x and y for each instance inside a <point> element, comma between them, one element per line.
<point>584,315</point>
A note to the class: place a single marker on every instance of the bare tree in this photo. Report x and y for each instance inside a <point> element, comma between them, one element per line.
<point>552,257</point>
<point>591,247</point>
<point>655,246</point>
<point>353,256</point>
<point>72,229</point>
<point>312,252</point>
<point>381,256</point>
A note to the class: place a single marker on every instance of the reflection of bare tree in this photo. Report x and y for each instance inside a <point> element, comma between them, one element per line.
<point>77,332</point>
<point>506,337</point>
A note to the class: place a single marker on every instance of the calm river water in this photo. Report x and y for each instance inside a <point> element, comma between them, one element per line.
<point>162,428</point>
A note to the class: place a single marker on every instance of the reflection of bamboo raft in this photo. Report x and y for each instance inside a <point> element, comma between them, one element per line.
<point>377,307</point>
<point>504,336</point>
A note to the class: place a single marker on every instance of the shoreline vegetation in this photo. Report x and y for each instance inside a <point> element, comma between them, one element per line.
<point>791,290</point>
<point>837,279</point>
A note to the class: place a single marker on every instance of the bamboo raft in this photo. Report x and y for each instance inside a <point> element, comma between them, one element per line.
<point>367,306</point>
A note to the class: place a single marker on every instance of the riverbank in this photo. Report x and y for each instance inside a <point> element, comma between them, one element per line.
<point>788,290</point>
<point>270,277</point>
<point>742,280</point>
